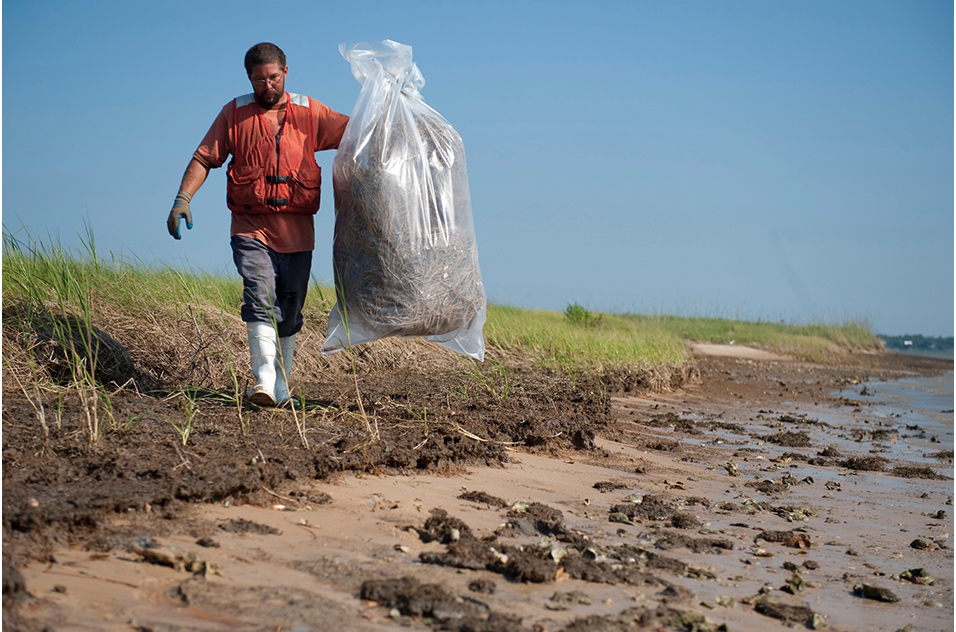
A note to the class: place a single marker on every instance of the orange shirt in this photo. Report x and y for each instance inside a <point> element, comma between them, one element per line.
<point>283,232</point>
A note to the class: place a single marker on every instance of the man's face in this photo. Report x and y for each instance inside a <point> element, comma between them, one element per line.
<point>268,84</point>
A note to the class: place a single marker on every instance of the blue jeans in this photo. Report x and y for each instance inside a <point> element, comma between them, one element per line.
<point>274,283</point>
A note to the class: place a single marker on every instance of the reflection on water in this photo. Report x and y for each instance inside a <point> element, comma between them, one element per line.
<point>923,401</point>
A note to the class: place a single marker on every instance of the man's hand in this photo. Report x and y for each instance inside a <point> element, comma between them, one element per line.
<point>180,211</point>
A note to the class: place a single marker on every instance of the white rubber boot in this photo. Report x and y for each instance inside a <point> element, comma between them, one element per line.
<point>284,370</point>
<point>262,357</point>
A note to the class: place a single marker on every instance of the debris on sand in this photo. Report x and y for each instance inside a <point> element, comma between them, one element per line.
<point>942,455</point>
<point>650,507</point>
<point>642,618</point>
<point>409,597</point>
<point>917,576</point>
<point>800,419</point>
<point>173,558</point>
<point>672,540</point>
<point>485,586</point>
<point>537,518</point>
<point>792,514</point>
<point>617,516</point>
<point>682,520</point>
<point>467,553</point>
<point>865,463</point>
<point>792,539</point>
<point>443,528</point>
<point>484,498</point>
<point>528,565</point>
<point>830,452</point>
<point>248,526</point>
<point>769,487</point>
<point>576,557</point>
<point>564,600</point>
<point>790,614</point>
<point>790,439</point>
<point>608,486</point>
<point>877,593</point>
<point>924,545</point>
<point>795,585</point>
<point>696,622</point>
<point>915,471</point>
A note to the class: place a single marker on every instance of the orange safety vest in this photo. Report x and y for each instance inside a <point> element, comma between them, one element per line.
<point>273,174</point>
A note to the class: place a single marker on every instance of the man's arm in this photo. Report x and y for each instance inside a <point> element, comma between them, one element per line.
<point>196,173</point>
<point>193,178</point>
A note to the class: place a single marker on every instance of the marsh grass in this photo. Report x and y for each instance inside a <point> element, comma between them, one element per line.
<point>493,377</point>
<point>606,341</point>
<point>370,426</point>
<point>57,301</point>
<point>190,409</point>
<point>816,342</point>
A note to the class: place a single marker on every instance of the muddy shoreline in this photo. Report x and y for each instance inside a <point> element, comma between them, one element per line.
<point>752,499</point>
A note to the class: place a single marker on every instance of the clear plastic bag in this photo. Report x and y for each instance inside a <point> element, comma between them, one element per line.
<point>404,251</point>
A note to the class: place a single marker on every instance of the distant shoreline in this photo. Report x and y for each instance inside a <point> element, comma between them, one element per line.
<point>942,354</point>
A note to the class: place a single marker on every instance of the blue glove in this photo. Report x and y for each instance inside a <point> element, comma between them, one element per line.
<point>180,211</point>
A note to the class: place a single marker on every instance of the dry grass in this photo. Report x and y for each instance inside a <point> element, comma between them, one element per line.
<point>156,330</point>
<point>406,262</point>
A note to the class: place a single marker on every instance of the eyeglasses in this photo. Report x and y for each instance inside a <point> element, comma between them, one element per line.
<point>273,80</point>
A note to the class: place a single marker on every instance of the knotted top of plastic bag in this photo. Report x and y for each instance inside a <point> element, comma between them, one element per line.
<point>384,61</point>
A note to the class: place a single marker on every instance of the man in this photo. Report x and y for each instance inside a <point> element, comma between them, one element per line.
<point>272,189</point>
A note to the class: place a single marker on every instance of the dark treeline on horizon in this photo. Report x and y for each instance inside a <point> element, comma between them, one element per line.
<point>917,342</point>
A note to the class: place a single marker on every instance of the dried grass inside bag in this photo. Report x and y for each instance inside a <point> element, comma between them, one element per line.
<point>404,253</point>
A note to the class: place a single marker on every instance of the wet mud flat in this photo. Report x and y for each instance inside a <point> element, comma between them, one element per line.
<point>757,499</point>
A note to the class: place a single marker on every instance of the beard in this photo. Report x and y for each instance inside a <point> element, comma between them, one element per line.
<point>267,99</point>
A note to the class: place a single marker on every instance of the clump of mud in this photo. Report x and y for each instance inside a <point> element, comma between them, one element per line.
<point>443,528</point>
<point>916,471</point>
<point>790,439</point>
<point>483,498</point>
<point>608,486</point>
<point>769,487</point>
<point>865,463</point>
<point>673,421</point>
<point>539,519</point>
<point>248,527</point>
<point>671,540</point>
<point>683,520</point>
<point>942,455</point>
<point>560,552</point>
<point>861,435</point>
<point>801,615</point>
<point>413,598</point>
<point>662,617</point>
<point>649,507</point>
<point>792,539</point>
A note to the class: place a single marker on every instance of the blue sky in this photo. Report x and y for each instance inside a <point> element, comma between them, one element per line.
<point>762,160</point>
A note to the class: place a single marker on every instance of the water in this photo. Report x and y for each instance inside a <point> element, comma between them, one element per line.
<point>942,354</point>
<point>926,402</point>
<point>918,409</point>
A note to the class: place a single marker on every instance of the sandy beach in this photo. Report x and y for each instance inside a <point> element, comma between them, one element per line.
<point>765,493</point>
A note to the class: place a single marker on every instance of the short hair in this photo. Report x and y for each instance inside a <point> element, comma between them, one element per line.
<point>264,53</point>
